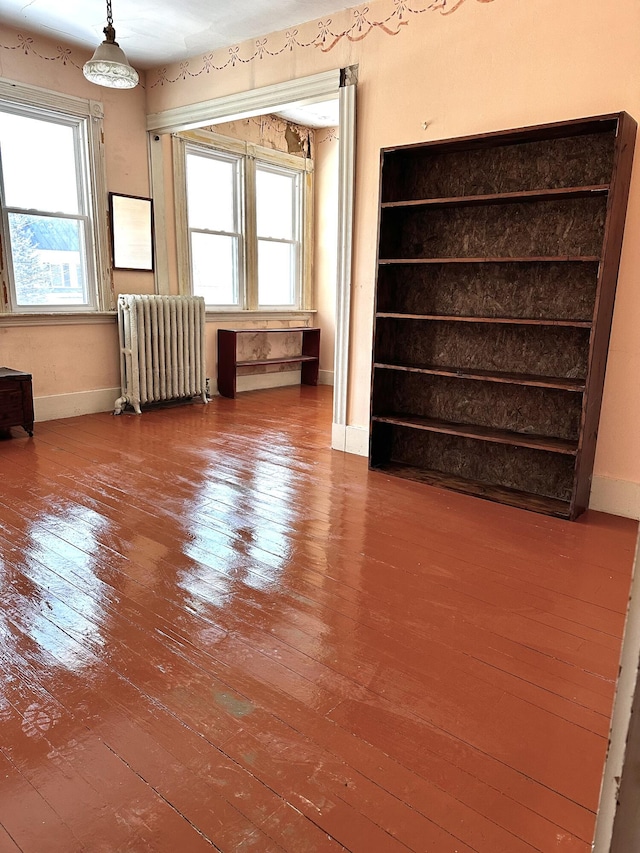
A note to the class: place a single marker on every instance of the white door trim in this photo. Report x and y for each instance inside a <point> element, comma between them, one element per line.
<point>626,687</point>
<point>346,181</point>
<point>267,99</point>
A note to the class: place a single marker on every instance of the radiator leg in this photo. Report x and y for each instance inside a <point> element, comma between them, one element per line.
<point>119,405</point>
<point>121,402</point>
<point>205,399</point>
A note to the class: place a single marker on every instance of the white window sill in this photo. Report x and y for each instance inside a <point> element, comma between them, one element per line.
<point>236,315</point>
<point>86,318</point>
<point>76,318</point>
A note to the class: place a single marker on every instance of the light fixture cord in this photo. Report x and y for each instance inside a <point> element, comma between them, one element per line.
<point>109,14</point>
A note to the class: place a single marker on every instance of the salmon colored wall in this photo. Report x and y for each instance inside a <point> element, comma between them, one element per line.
<point>460,67</point>
<point>70,358</point>
<point>63,359</point>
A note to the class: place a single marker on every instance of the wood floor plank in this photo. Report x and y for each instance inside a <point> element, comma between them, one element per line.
<point>197,715</point>
<point>7,844</point>
<point>529,819</point>
<point>520,686</point>
<point>253,642</point>
<point>30,820</point>
<point>54,754</point>
<point>511,843</point>
<point>153,744</point>
<point>566,627</point>
<point>596,723</point>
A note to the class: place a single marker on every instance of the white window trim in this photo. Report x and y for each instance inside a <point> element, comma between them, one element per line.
<point>298,230</point>
<point>93,112</point>
<point>254,153</point>
<point>238,220</point>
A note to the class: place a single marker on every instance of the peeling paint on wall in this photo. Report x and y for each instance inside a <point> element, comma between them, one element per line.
<point>270,131</point>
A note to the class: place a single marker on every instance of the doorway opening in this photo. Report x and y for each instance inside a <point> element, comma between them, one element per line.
<point>329,88</point>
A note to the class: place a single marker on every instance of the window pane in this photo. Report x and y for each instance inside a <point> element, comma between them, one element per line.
<point>276,278</point>
<point>38,164</point>
<point>211,188</point>
<point>275,195</point>
<point>215,268</point>
<point>48,262</point>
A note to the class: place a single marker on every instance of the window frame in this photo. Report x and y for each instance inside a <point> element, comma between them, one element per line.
<point>86,117</point>
<point>297,204</point>
<point>252,156</point>
<point>238,219</point>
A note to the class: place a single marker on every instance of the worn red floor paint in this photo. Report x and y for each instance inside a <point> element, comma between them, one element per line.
<point>218,634</point>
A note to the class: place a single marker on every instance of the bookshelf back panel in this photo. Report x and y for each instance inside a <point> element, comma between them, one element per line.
<point>558,228</point>
<point>563,291</point>
<point>533,411</point>
<point>544,350</point>
<point>568,161</point>
<point>535,471</point>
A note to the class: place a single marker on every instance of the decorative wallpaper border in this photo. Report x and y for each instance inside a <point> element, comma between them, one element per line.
<point>325,39</point>
<point>26,45</point>
<point>330,136</point>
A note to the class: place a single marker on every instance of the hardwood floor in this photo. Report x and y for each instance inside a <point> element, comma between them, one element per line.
<point>217,633</point>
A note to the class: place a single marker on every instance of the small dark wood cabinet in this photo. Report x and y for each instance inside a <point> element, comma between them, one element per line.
<point>16,400</point>
<point>497,263</point>
<point>308,359</point>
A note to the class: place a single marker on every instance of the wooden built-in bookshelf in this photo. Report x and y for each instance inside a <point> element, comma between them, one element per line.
<point>497,263</point>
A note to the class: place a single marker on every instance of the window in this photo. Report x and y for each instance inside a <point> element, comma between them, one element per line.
<point>244,216</point>
<point>277,231</point>
<point>215,235</point>
<point>48,195</point>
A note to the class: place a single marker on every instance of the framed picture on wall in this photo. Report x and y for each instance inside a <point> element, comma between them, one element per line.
<point>131,232</point>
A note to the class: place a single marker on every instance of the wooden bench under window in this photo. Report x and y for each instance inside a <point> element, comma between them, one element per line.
<point>308,359</point>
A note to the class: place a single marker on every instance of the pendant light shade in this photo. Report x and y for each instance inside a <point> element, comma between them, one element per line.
<point>109,66</point>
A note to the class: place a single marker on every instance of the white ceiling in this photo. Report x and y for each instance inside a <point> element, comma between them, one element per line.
<point>155,32</point>
<point>322,114</point>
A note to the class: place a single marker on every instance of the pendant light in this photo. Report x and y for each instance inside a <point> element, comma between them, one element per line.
<point>109,66</point>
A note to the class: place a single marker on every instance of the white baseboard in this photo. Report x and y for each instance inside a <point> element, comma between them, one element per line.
<point>77,403</point>
<point>618,497</point>
<point>357,441</point>
<point>338,437</point>
<point>350,439</point>
<point>325,377</point>
<point>103,400</point>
